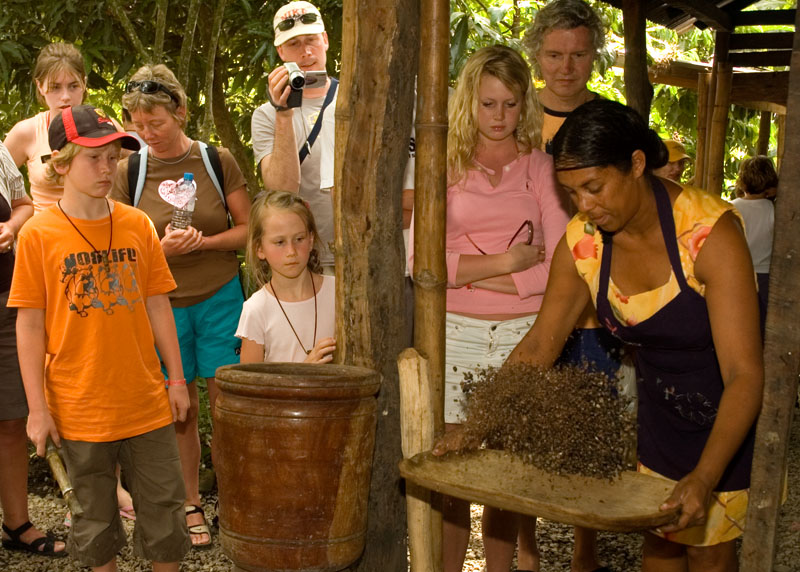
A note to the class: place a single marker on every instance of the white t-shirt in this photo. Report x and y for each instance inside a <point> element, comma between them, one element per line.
<point>759,225</point>
<point>262,321</point>
<point>317,196</point>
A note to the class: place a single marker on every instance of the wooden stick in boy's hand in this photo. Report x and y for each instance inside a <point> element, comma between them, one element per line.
<point>60,474</point>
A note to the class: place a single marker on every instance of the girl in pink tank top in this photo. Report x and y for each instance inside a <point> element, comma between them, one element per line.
<point>60,82</point>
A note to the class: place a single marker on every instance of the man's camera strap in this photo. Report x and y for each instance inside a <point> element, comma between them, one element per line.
<point>306,148</point>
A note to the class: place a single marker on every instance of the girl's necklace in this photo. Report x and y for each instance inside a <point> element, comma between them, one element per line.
<point>314,288</point>
<point>175,162</point>
<point>105,256</point>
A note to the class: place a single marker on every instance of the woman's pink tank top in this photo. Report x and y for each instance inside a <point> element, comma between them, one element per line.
<point>43,193</point>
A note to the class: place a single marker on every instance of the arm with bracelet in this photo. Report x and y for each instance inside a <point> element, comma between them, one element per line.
<point>163,324</point>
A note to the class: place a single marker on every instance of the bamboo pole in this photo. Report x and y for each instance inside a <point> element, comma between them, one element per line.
<point>703,81</point>
<point>718,134</point>
<point>430,201</point>
<point>721,42</point>
<point>781,140</point>
<point>416,433</point>
<point>764,130</point>
<point>781,358</point>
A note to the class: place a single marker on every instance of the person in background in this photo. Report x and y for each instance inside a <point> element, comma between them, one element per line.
<point>678,160</point>
<point>60,78</point>
<point>202,257</point>
<point>563,43</point>
<point>18,532</point>
<point>504,217</point>
<point>280,134</point>
<point>757,182</point>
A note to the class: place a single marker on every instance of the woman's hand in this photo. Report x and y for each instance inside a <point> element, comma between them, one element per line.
<point>322,352</point>
<point>692,495</point>
<point>181,240</point>
<point>454,439</point>
<point>523,256</point>
<point>40,427</point>
<point>6,237</point>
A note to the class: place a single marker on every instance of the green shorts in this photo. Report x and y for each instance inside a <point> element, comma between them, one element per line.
<point>207,331</point>
<point>152,471</point>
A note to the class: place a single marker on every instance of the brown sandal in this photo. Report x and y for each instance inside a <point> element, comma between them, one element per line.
<point>198,529</point>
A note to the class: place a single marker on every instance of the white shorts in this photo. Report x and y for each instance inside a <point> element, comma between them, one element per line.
<point>472,344</point>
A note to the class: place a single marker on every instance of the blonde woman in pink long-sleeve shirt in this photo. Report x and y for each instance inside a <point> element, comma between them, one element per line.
<point>504,219</point>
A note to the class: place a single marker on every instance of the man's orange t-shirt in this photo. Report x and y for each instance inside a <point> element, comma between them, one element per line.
<point>103,380</point>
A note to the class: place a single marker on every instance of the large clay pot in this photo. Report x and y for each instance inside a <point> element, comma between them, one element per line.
<point>293,448</point>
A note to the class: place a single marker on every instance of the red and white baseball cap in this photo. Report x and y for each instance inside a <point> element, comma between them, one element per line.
<point>86,126</point>
<point>296,19</point>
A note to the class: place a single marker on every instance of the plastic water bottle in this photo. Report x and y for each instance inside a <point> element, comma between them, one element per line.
<point>181,218</point>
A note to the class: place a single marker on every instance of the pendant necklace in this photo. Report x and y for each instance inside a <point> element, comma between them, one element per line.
<point>104,256</point>
<point>176,161</point>
<point>314,288</point>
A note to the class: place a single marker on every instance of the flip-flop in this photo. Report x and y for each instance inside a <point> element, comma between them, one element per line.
<point>198,529</point>
<point>127,512</point>
<point>43,546</point>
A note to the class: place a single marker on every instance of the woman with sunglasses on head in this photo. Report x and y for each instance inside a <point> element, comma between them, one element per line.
<point>504,219</point>
<point>202,257</point>
<point>668,269</point>
<point>60,79</point>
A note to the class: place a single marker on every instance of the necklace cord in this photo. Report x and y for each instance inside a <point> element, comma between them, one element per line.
<point>83,236</point>
<point>285,315</point>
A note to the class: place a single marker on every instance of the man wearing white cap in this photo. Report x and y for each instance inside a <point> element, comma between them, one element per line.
<point>284,138</point>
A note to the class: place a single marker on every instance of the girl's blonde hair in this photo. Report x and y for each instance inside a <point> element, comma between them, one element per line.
<point>63,158</point>
<point>135,100</point>
<point>258,269</point>
<point>56,58</point>
<point>508,66</point>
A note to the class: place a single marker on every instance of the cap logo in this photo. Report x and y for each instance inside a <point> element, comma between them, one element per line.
<point>102,117</point>
<point>293,12</point>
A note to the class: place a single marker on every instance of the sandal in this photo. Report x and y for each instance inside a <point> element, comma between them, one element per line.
<point>43,546</point>
<point>198,529</point>
<point>127,512</point>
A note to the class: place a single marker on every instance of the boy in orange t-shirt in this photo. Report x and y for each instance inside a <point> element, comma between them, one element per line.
<point>91,285</point>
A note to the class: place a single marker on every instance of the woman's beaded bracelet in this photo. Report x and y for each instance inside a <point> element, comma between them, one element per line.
<point>171,382</point>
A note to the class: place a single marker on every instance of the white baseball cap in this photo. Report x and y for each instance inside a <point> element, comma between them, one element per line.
<point>296,19</point>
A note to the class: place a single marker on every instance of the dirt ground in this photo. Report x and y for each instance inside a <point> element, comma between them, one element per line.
<point>619,551</point>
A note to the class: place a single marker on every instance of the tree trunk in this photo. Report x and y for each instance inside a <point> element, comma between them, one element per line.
<point>227,132</point>
<point>211,56</point>
<point>161,26</point>
<point>373,127</point>
<point>781,357</point>
<point>638,91</point>
<point>764,129</point>
<point>119,13</point>
<point>186,45</point>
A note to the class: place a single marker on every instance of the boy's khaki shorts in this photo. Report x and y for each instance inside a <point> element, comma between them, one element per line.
<point>152,471</point>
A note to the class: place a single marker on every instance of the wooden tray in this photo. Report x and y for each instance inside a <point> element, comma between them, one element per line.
<point>628,503</point>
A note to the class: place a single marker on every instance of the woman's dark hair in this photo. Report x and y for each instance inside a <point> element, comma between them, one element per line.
<point>603,133</point>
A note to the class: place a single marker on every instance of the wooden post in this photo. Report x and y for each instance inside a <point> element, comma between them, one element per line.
<point>373,126</point>
<point>416,432</point>
<point>430,201</point>
<point>764,129</point>
<point>638,91</point>
<point>703,80</point>
<point>718,134</point>
<point>781,356</point>
<point>721,43</point>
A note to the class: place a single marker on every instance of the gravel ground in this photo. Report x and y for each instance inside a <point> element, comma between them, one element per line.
<point>619,551</point>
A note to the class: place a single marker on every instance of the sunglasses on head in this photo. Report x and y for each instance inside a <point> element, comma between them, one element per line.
<point>149,86</point>
<point>289,22</point>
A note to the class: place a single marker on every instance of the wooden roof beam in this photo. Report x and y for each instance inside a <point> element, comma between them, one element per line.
<point>765,18</point>
<point>773,58</point>
<point>762,41</point>
<point>705,11</point>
